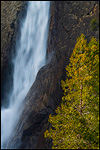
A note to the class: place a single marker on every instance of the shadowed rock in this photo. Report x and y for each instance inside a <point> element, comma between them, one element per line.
<point>12,14</point>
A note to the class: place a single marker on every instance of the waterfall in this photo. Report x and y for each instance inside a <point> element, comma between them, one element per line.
<point>30,57</point>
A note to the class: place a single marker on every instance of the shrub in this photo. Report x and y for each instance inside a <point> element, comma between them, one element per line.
<point>94,24</point>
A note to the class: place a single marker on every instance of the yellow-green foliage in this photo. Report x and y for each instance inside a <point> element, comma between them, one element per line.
<point>94,24</point>
<point>76,125</point>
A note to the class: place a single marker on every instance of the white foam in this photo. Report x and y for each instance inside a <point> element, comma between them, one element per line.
<point>30,57</point>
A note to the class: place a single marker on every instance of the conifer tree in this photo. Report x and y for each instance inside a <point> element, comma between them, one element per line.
<point>76,124</point>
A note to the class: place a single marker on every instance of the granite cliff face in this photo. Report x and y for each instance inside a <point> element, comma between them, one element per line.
<point>68,20</point>
<point>12,14</point>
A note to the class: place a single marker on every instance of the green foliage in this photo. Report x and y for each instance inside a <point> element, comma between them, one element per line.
<point>94,24</point>
<point>76,125</point>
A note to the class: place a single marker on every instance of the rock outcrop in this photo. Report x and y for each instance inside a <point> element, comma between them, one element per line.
<point>12,13</point>
<point>68,20</point>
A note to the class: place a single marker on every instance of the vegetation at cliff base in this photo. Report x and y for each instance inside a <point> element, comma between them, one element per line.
<point>76,123</point>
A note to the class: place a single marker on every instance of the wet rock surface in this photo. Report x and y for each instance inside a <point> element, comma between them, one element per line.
<point>68,20</point>
<point>12,14</point>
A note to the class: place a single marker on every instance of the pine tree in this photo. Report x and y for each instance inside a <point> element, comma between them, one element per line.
<point>76,124</point>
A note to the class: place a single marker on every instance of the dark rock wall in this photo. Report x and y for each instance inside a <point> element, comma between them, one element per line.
<point>12,14</point>
<point>68,20</point>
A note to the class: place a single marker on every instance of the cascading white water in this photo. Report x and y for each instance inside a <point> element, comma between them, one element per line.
<point>30,57</point>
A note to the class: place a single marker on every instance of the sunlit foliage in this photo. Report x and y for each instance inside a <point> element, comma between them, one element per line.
<point>76,124</point>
